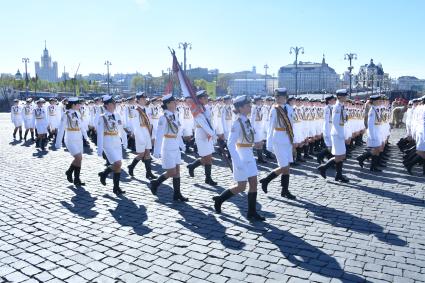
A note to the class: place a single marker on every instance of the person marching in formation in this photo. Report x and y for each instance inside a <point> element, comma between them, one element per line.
<point>204,138</point>
<point>240,144</point>
<point>109,142</point>
<point>339,119</point>
<point>168,143</point>
<point>413,145</point>
<point>257,119</point>
<point>41,124</point>
<point>54,118</point>
<point>16,117</point>
<point>280,138</point>
<point>28,117</point>
<point>326,129</point>
<point>142,130</point>
<point>70,127</point>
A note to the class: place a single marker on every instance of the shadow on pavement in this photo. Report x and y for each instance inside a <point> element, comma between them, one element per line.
<point>82,203</point>
<point>129,214</point>
<point>348,221</point>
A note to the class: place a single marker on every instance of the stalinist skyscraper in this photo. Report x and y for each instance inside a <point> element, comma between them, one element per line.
<point>47,71</point>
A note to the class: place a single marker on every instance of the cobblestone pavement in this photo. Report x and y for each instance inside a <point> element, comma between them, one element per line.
<point>372,229</point>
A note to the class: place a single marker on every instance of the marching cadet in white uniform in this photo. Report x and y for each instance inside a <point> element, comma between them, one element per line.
<point>226,116</point>
<point>142,129</point>
<point>326,129</point>
<point>109,141</point>
<point>204,137</point>
<point>41,123</point>
<point>339,118</point>
<point>16,117</point>
<point>54,117</point>
<point>240,144</point>
<point>130,116</point>
<point>70,126</point>
<point>168,143</point>
<point>156,112</point>
<point>187,122</point>
<point>373,139</point>
<point>257,120</point>
<point>418,128</point>
<point>28,117</point>
<point>280,138</point>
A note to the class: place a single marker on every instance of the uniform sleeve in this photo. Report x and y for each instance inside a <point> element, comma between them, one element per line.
<point>61,132</point>
<point>270,126</point>
<point>100,136</point>
<point>202,121</point>
<point>11,115</point>
<point>159,135</point>
<point>234,135</point>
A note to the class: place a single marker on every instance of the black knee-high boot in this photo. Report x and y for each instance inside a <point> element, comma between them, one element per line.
<point>363,157</point>
<point>69,172</point>
<point>299,154</point>
<point>14,133</point>
<point>77,180</point>
<point>157,182</point>
<point>260,158</point>
<point>132,166</point>
<point>252,208</point>
<point>116,178</point>
<point>339,177</point>
<point>416,159</point>
<point>321,155</point>
<point>265,181</point>
<point>218,200</point>
<point>20,134</point>
<point>306,151</point>
<point>104,174</point>
<point>177,193</point>
<point>148,167</point>
<point>322,168</point>
<point>284,180</point>
<point>32,135</point>
<point>374,164</point>
<point>191,167</point>
<point>25,134</point>
<point>208,179</point>
<point>106,158</point>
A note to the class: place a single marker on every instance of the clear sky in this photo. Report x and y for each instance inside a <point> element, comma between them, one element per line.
<point>231,35</point>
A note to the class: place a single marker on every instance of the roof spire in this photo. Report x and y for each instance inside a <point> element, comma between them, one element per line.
<point>323,60</point>
<point>45,45</point>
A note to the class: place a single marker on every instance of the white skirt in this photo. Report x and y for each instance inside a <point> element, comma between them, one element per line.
<point>205,146</point>
<point>338,145</point>
<point>113,154</point>
<point>170,159</point>
<point>41,128</point>
<point>283,153</point>
<point>143,142</point>
<point>17,122</point>
<point>74,146</point>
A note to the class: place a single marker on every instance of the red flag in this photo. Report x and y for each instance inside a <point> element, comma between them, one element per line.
<point>187,89</point>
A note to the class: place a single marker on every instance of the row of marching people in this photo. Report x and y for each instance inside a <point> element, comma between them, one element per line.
<point>413,144</point>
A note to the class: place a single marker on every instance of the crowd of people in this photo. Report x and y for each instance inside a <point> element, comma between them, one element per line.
<point>282,130</point>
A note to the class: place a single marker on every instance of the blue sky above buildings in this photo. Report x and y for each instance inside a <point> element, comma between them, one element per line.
<point>231,35</point>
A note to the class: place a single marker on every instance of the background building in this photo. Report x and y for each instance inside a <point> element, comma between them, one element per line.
<point>312,77</point>
<point>47,70</point>
<point>252,86</point>
<point>410,83</point>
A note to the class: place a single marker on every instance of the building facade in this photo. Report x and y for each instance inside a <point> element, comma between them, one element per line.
<point>311,77</point>
<point>46,69</point>
<point>252,86</point>
<point>410,83</point>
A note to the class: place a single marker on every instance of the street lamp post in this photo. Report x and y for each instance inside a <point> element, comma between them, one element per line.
<point>265,78</point>
<point>185,45</point>
<point>26,61</point>
<point>350,57</point>
<point>296,50</point>
<point>107,63</point>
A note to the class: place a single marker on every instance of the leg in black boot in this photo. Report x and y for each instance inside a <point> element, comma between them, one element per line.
<point>177,193</point>
<point>260,158</point>
<point>157,182</point>
<point>117,190</point>
<point>265,181</point>
<point>77,180</point>
<point>14,133</point>
<point>25,134</point>
<point>208,179</point>
<point>374,164</point>
<point>322,168</point>
<point>299,154</point>
<point>412,163</point>
<point>191,167</point>
<point>252,208</point>
<point>148,167</point>
<point>218,200</point>
<point>363,157</point>
<point>20,134</point>
<point>132,166</point>
<point>69,172</point>
<point>339,177</point>
<point>104,174</point>
<point>306,152</point>
<point>284,180</point>
<point>321,155</point>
